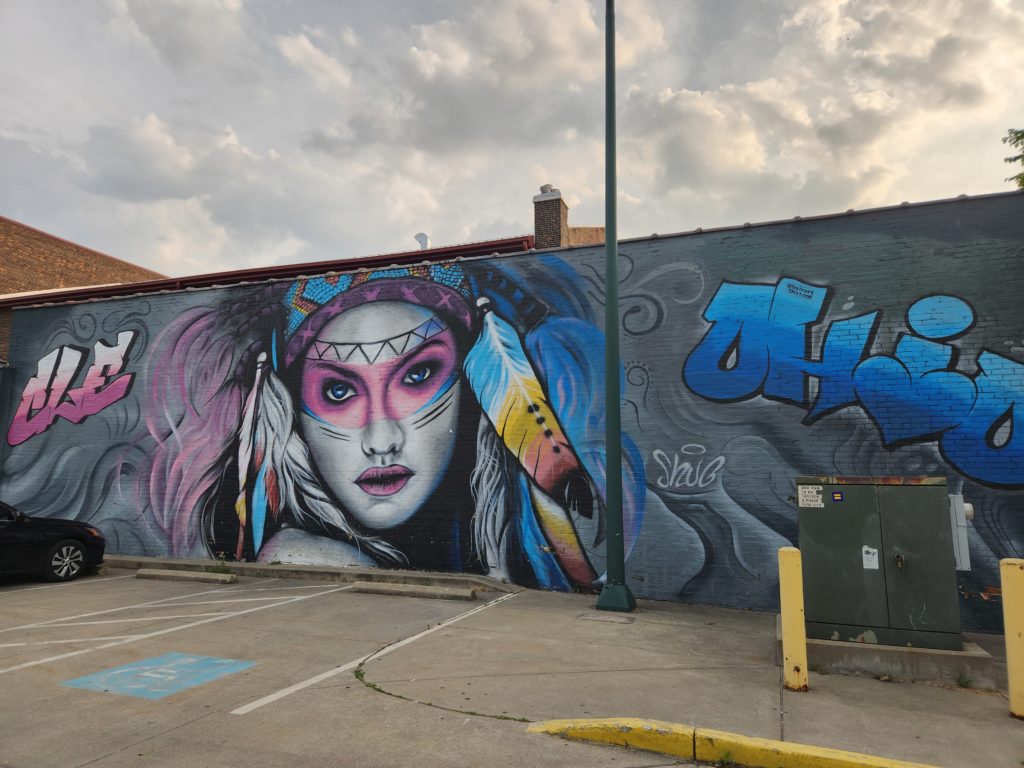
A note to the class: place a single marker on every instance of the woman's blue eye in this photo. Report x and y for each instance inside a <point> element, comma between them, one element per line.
<point>418,375</point>
<point>338,391</point>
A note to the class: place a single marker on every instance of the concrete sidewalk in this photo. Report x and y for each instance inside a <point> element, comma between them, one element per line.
<point>455,686</point>
<point>548,656</point>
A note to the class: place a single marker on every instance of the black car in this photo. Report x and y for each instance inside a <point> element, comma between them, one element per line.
<point>58,549</point>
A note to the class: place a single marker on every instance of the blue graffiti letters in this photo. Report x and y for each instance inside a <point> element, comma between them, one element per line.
<point>985,445</point>
<point>759,344</point>
<point>940,317</point>
<point>845,345</point>
<point>915,394</point>
<point>795,308</point>
<point>731,361</point>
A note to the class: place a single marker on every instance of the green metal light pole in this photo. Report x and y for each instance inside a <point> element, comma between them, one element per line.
<point>615,596</point>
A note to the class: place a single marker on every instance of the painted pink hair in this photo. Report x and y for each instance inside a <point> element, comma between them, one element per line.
<point>197,375</point>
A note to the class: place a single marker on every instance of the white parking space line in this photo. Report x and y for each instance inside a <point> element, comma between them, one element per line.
<point>237,600</point>
<point>77,583</point>
<point>271,698</point>
<point>78,640</point>
<point>281,589</point>
<point>169,630</point>
<point>115,610</point>
<point>248,587</point>
<point>136,618</point>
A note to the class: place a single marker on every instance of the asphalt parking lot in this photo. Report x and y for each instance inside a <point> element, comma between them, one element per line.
<point>115,671</point>
<point>112,671</point>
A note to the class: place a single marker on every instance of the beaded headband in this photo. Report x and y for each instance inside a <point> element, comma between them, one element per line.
<point>311,303</point>
<point>370,352</point>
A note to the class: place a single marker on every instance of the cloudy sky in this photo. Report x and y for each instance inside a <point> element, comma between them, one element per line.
<point>199,135</point>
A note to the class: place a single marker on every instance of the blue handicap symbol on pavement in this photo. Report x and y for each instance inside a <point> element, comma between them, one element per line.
<point>160,676</point>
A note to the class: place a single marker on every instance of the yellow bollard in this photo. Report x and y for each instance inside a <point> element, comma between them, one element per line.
<point>1011,573</point>
<point>794,632</point>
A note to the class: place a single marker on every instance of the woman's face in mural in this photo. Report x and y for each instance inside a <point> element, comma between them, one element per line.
<point>380,403</point>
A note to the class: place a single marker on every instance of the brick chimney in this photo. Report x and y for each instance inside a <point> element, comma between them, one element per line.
<point>551,223</point>
<point>550,218</point>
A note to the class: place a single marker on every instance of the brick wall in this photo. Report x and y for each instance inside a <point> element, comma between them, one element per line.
<point>579,236</point>
<point>877,343</point>
<point>5,333</point>
<point>32,260</point>
<point>550,219</point>
<point>551,223</point>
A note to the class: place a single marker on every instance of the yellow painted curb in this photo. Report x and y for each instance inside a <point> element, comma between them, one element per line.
<point>709,745</point>
<point>649,735</point>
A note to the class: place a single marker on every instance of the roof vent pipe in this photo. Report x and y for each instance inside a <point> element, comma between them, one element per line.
<point>423,240</point>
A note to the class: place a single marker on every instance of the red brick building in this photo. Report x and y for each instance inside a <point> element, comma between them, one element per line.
<point>34,261</point>
<point>551,223</point>
<point>31,260</point>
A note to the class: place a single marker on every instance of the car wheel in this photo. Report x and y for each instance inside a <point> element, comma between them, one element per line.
<point>65,561</point>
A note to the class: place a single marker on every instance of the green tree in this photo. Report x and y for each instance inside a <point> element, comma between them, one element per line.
<point>1015,138</point>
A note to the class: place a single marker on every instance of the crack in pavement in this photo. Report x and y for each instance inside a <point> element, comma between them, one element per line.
<point>359,675</point>
<point>552,673</point>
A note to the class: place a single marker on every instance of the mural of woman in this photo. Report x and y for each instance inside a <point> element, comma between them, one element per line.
<point>437,416</point>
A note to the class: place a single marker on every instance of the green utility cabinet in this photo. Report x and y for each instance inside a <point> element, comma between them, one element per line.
<point>878,561</point>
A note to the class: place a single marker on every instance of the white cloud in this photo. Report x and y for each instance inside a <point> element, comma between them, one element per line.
<point>177,236</point>
<point>845,114</point>
<point>326,72</point>
<point>141,160</point>
<point>506,44</point>
<point>197,135</point>
<point>184,33</point>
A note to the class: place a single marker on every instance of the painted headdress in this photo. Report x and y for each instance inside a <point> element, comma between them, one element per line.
<point>312,303</point>
<point>498,369</point>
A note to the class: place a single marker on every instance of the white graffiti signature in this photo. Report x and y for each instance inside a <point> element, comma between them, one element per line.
<point>688,467</point>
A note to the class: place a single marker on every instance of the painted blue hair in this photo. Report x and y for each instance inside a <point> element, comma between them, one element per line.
<point>566,349</point>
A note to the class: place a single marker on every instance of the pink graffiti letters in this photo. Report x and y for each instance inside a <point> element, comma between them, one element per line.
<point>48,396</point>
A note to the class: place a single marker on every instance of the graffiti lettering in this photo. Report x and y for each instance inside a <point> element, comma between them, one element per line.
<point>759,344</point>
<point>985,445</point>
<point>48,396</point>
<point>687,468</point>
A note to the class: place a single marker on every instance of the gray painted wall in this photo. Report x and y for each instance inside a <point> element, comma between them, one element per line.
<point>879,343</point>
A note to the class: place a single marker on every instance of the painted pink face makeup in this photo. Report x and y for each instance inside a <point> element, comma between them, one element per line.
<point>379,409</point>
<point>352,395</point>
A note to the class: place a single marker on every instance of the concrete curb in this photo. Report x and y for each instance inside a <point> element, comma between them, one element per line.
<point>198,576</point>
<point>314,572</point>
<point>840,657</point>
<point>413,590</point>
<point>707,745</point>
<point>650,735</point>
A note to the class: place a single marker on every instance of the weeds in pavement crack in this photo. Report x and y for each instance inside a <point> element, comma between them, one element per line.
<point>360,674</point>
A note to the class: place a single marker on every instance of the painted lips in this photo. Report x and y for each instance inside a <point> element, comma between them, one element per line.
<point>384,481</point>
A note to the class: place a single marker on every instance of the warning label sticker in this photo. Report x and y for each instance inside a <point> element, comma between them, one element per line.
<point>870,557</point>
<point>809,496</point>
